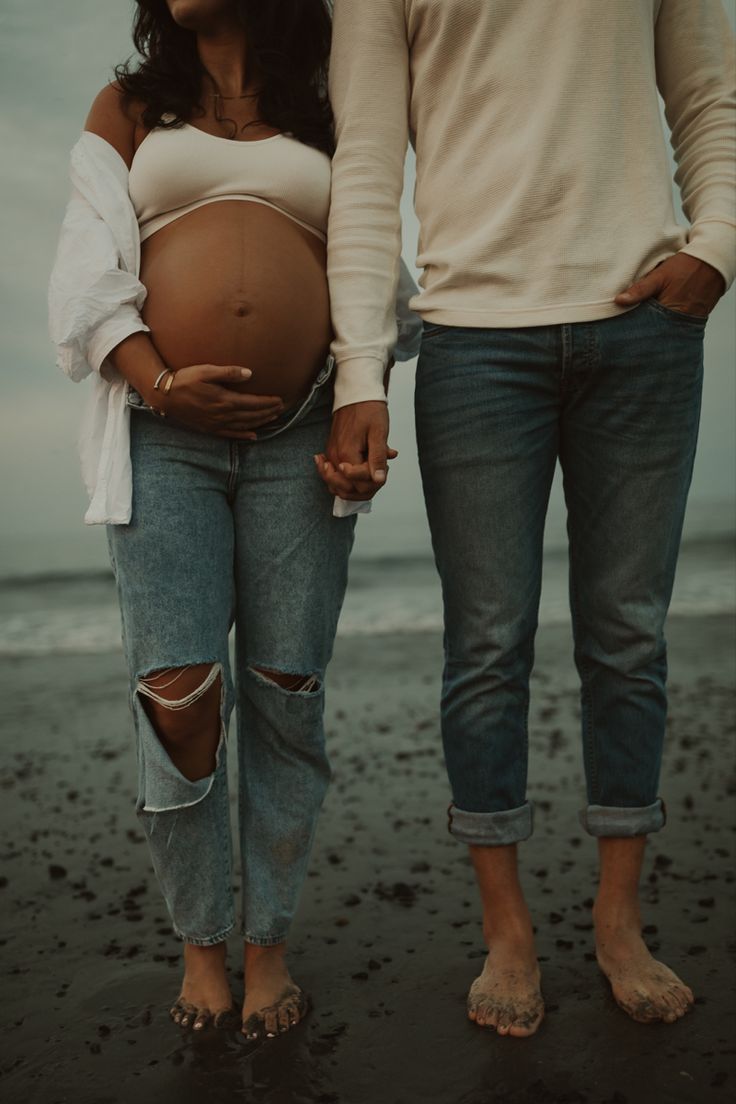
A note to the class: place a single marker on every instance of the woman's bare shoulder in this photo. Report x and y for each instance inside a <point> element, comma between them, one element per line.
<point>117,121</point>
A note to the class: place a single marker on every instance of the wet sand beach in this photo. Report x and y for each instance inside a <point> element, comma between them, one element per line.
<point>388,936</point>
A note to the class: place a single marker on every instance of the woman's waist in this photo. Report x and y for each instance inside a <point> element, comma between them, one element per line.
<point>316,396</point>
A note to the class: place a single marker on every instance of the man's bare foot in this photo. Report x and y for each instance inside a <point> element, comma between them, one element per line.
<point>205,996</point>
<point>645,989</point>
<point>273,1002</point>
<point>507,994</point>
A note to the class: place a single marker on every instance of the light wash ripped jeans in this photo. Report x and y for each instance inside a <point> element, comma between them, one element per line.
<point>225,532</point>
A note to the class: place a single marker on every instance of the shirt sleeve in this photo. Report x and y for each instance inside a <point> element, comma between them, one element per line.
<point>408,322</point>
<point>94,303</point>
<point>696,76</point>
<point>369,91</point>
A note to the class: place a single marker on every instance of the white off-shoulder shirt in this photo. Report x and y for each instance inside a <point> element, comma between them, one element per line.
<point>95,299</point>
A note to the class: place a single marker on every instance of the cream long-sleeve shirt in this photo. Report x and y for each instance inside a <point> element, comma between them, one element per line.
<point>543,185</point>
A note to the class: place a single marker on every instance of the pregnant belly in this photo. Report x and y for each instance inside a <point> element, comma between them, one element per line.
<point>236,282</point>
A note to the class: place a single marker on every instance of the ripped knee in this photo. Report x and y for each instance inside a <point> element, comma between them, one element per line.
<point>177,688</point>
<point>183,705</point>
<point>295,684</point>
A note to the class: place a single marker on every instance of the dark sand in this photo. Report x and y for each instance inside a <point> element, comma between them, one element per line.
<point>388,936</point>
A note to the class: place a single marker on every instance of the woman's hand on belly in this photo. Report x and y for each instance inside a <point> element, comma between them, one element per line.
<point>205,397</point>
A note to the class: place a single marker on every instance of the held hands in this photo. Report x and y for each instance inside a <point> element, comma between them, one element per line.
<point>205,397</point>
<point>354,466</point>
<point>682,283</point>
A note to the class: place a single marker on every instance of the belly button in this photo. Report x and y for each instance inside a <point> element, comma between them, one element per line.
<point>241,310</point>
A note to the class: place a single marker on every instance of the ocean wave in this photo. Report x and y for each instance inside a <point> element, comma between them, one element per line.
<point>95,627</point>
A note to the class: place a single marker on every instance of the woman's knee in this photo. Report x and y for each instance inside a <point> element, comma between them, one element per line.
<point>183,705</point>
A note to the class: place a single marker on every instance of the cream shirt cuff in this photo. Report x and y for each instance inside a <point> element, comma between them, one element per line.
<point>359,379</point>
<point>715,243</point>
<point>342,507</point>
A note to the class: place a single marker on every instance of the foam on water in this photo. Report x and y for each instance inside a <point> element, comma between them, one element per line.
<point>79,614</point>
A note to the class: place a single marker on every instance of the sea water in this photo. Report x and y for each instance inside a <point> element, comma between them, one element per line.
<point>78,613</point>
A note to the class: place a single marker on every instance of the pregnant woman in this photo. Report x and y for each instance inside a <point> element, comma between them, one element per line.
<point>190,281</point>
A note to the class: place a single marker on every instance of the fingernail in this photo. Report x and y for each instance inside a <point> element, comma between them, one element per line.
<point>342,467</point>
<point>626,296</point>
<point>316,460</point>
<point>379,476</point>
<point>246,372</point>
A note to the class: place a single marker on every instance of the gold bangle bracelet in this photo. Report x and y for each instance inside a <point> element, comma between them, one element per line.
<point>170,380</point>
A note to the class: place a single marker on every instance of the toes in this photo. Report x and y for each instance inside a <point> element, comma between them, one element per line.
<point>228,1017</point>
<point>278,1018</point>
<point>183,1013</point>
<point>643,1011</point>
<point>682,1000</point>
<point>202,1018</point>
<point>253,1027</point>
<point>526,1023</point>
<point>667,1006</point>
<point>677,1001</point>
<point>506,1017</point>
<point>303,1004</point>
<point>485,1014</point>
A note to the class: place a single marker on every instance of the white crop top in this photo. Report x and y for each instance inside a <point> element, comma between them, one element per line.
<point>175,170</point>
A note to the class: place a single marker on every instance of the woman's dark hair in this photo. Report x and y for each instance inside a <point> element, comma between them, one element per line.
<point>288,43</point>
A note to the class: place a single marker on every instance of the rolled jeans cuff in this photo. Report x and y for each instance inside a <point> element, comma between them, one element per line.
<point>609,820</point>
<point>492,829</point>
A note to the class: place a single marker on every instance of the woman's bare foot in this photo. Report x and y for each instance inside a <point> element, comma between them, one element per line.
<point>205,996</point>
<point>645,989</point>
<point>273,1002</point>
<point>507,994</point>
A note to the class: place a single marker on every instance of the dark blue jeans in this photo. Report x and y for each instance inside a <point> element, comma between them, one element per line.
<point>618,403</point>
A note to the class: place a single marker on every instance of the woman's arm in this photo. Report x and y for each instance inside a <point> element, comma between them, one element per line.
<point>118,122</point>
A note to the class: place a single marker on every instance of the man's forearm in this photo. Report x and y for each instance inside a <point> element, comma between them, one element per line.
<point>695,74</point>
<point>369,90</point>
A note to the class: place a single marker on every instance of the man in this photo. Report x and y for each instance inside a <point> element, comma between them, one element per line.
<point>564,311</point>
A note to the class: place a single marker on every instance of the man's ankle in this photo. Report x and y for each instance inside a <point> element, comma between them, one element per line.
<point>510,930</point>
<point>617,914</point>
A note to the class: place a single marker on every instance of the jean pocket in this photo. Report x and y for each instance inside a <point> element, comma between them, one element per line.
<point>677,316</point>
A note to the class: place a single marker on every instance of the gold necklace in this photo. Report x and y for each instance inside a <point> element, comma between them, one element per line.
<point>244,96</point>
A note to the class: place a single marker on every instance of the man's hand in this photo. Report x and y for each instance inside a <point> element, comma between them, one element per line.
<point>682,283</point>
<point>354,464</point>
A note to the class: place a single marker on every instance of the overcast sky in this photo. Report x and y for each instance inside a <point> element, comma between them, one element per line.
<point>53,60</point>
